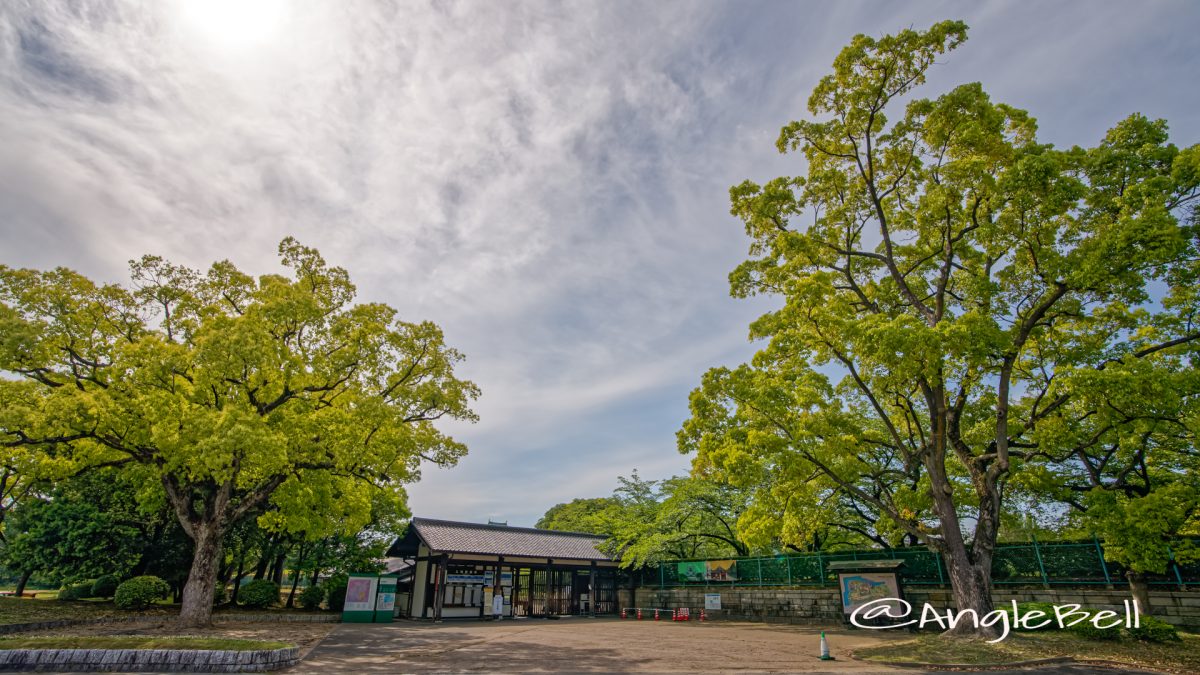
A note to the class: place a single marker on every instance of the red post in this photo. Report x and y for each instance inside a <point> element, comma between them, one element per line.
<point>656,615</point>
<point>622,612</point>
<point>639,613</point>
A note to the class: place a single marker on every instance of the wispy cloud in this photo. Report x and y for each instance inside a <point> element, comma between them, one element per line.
<point>545,180</point>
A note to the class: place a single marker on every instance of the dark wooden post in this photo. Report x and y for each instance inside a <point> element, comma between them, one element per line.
<point>439,592</point>
<point>593,590</point>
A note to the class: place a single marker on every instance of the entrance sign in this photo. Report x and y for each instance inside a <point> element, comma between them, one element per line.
<point>712,601</point>
<point>360,598</point>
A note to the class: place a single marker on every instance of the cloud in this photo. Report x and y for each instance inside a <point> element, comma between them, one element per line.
<point>547,181</point>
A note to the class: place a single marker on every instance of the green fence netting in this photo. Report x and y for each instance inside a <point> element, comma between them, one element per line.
<point>1079,563</point>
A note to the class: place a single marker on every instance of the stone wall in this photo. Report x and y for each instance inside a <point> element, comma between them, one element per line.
<point>810,605</point>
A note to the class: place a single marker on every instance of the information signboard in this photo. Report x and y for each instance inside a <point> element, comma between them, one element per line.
<point>360,598</point>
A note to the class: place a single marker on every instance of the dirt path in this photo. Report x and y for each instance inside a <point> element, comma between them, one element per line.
<point>585,645</point>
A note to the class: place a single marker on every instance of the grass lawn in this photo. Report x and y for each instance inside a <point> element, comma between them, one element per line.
<point>1183,657</point>
<point>136,642</point>
<point>28,610</point>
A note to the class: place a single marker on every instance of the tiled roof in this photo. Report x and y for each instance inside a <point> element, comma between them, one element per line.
<point>455,537</point>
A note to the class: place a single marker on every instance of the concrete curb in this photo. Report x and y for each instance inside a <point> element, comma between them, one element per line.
<point>1054,660</point>
<point>148,660</point>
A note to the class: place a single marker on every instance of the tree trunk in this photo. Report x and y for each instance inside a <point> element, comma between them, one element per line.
<point>21,583</point>
<point>277,567</point>
<point>971,586</point>
<point>1140,591</point>
<point>296,574</point>
<point>969,568</point>
<point>237,578</point>
<point>198,593</point>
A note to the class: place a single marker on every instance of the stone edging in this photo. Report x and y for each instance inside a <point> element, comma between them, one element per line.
<point>6,629</point>
<point>153,660</point>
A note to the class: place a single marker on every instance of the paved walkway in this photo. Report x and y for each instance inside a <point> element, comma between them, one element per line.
<point>595,645</point>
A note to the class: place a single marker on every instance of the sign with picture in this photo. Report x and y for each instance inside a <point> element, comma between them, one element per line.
<point>707,570</point>
<point>360,594</point>
<point>859,588</point>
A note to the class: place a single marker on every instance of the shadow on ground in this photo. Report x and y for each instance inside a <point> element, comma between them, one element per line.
<point>409,648</point>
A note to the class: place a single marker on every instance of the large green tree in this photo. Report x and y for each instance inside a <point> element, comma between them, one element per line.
<point>229,393</point>
<point>956,295</point>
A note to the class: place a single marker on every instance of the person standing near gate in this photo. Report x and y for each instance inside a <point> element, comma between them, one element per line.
<point>498,603</point>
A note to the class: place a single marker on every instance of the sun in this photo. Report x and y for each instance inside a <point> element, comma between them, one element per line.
<point>234,23</point>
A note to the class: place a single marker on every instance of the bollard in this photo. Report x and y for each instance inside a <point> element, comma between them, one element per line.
<point>622,612</point>
<point>656,615</point>
<point>703,616</point>
<point>639,610</point>
<point>825,648</point>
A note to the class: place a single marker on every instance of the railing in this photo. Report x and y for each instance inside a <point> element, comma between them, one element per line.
<point>1078,563</point>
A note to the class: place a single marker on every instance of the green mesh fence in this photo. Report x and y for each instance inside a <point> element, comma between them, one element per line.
<point>1034,563</point>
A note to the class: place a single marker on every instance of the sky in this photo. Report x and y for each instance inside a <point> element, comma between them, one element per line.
<point>547,181</point>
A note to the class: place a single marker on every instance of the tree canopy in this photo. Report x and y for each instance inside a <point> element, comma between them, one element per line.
<point>962,305</point>
<point>227,394</point>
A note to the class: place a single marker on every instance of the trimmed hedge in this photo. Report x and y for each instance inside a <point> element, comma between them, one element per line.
<point>105,586</point>
<point>259,594</point>
<point>140,592</point>
<point>1047,610</point>
<point>336,586</point>
<point>312,597</point>
<point>76,592</point>
<point>1154,630</point>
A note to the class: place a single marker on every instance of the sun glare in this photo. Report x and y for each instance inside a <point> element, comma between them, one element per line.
<point>234,23</point>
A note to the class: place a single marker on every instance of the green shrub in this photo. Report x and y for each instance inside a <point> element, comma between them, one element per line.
<point>76,592</point>
<point>140,592</point>
<point>219,596</point>
<point>1046,608</point>
<point>336,591</point>
<point>259,594</point>
<point>105,586</point>
<point>1154,630</point>
<point>1088,630</point>
<point>312,597</point>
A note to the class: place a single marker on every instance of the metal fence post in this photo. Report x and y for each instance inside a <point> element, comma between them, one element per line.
<point>1175,565</point>
<point>820,569</point>
<point>937,557</point>
<point>1038,553</point>
<point>1103,565</point>
<point>787,561</point>
<point>661,579</point>
<point>760,579</point>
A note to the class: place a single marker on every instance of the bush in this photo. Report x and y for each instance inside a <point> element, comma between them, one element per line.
<point>1154,630</point>
<point>1046,608</point>
<point>1088,630</point>
<point>140,592</point>
<point>312,597</point>
<point>219,596</point>
<point>105,586</point>
<point>76,592</point>
<point>259,594</point>
<point>336,590</point>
